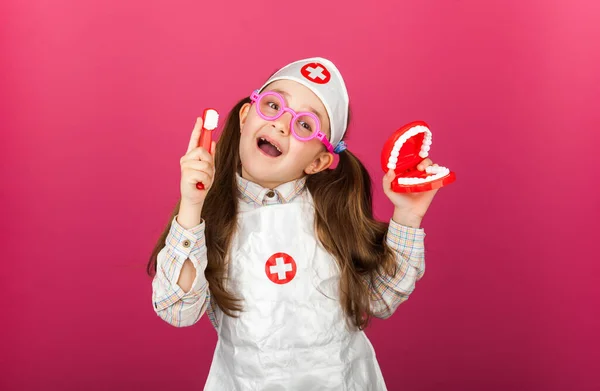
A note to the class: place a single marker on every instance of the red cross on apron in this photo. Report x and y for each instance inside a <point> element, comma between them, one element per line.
<point>280,268</point>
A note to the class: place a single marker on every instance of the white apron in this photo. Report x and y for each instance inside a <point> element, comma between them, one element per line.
<point>291,334</point>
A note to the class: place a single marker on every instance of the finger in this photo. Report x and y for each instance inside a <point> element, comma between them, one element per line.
<point>198,165</point>
<point>424,164</point>
<point>387,180</point>
<point>195,135</point>
<point>197,153</point>
<point>193,177</point>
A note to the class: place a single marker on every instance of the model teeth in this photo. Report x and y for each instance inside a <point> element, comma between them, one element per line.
<point>276,147</point>
<point>437,171</point>
<point>423,153</point>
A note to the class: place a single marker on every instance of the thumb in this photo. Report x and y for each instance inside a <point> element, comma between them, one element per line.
<point>387,180</point>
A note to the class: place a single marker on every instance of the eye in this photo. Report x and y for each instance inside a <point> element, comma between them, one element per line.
<point>305,125</point>
<point>273,105</point>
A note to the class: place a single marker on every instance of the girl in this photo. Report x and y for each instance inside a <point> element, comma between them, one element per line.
<point>280,250</point>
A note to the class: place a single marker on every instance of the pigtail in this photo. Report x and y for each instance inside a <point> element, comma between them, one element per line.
<point>345,225</point>
<point>220,214</point>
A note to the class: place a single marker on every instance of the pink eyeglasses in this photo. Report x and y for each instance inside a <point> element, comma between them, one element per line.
<point>304,125</point>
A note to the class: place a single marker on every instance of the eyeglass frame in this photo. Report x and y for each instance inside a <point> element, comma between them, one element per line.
<point>256,97</point>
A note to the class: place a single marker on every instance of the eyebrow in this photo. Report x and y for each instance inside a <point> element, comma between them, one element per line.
<point>309,107</point>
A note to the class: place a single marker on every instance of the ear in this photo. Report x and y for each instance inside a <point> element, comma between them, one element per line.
<point>321,162</point>
<point>244,114</point>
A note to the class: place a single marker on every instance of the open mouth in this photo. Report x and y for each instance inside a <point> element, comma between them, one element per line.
<point>268,147</point>
<point>404,150</point>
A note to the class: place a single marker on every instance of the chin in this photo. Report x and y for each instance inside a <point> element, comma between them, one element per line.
<point>266,175</point>
<point>266,170</point>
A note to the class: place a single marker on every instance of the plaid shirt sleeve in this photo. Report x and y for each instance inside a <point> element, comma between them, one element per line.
<point>389,292</point>
<point>170,302</point>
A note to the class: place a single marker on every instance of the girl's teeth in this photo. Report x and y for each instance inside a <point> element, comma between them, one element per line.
<point>265,140</point>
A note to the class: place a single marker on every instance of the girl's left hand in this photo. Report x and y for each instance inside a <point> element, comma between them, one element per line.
<point>414,204</point>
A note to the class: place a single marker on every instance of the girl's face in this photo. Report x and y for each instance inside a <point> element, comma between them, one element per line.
<point>269,152</point>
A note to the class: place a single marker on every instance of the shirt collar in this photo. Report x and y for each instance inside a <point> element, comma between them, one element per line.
<point>284,193</point>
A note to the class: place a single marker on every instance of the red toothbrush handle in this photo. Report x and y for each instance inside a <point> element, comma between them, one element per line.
<point>205,142</point>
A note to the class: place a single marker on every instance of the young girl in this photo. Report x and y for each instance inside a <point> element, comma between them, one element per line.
<point>282,251</point>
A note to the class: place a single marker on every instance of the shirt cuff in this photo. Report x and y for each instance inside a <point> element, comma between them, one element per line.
<point>401,236</point>
<point>187,241</point>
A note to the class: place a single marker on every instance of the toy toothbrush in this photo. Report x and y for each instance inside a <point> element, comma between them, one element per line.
<point>403,151</point>
<point>210,120</point>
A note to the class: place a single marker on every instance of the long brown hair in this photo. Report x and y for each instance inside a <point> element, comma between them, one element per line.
<point>344,224</point>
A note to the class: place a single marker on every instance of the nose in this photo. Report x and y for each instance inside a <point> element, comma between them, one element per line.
<point>282,124</point>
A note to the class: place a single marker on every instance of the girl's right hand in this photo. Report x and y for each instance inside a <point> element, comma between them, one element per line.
<point>197,165</point>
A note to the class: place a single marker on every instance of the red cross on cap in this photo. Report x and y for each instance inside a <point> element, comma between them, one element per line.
<point>316,72</point>
<point>280,268</point>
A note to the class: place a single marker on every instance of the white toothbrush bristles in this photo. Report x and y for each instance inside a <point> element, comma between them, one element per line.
<point>212,119</point>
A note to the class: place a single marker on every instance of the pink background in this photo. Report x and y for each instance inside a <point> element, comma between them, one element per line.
<point>98,101</point>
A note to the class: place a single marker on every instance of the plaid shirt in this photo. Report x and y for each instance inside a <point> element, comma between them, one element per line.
<point>181,309</point>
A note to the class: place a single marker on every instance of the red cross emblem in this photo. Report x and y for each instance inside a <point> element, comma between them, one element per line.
<point>280,268</point>
<point>315,72</point>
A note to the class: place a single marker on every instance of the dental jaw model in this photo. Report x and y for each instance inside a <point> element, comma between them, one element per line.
<point>403,151</point>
